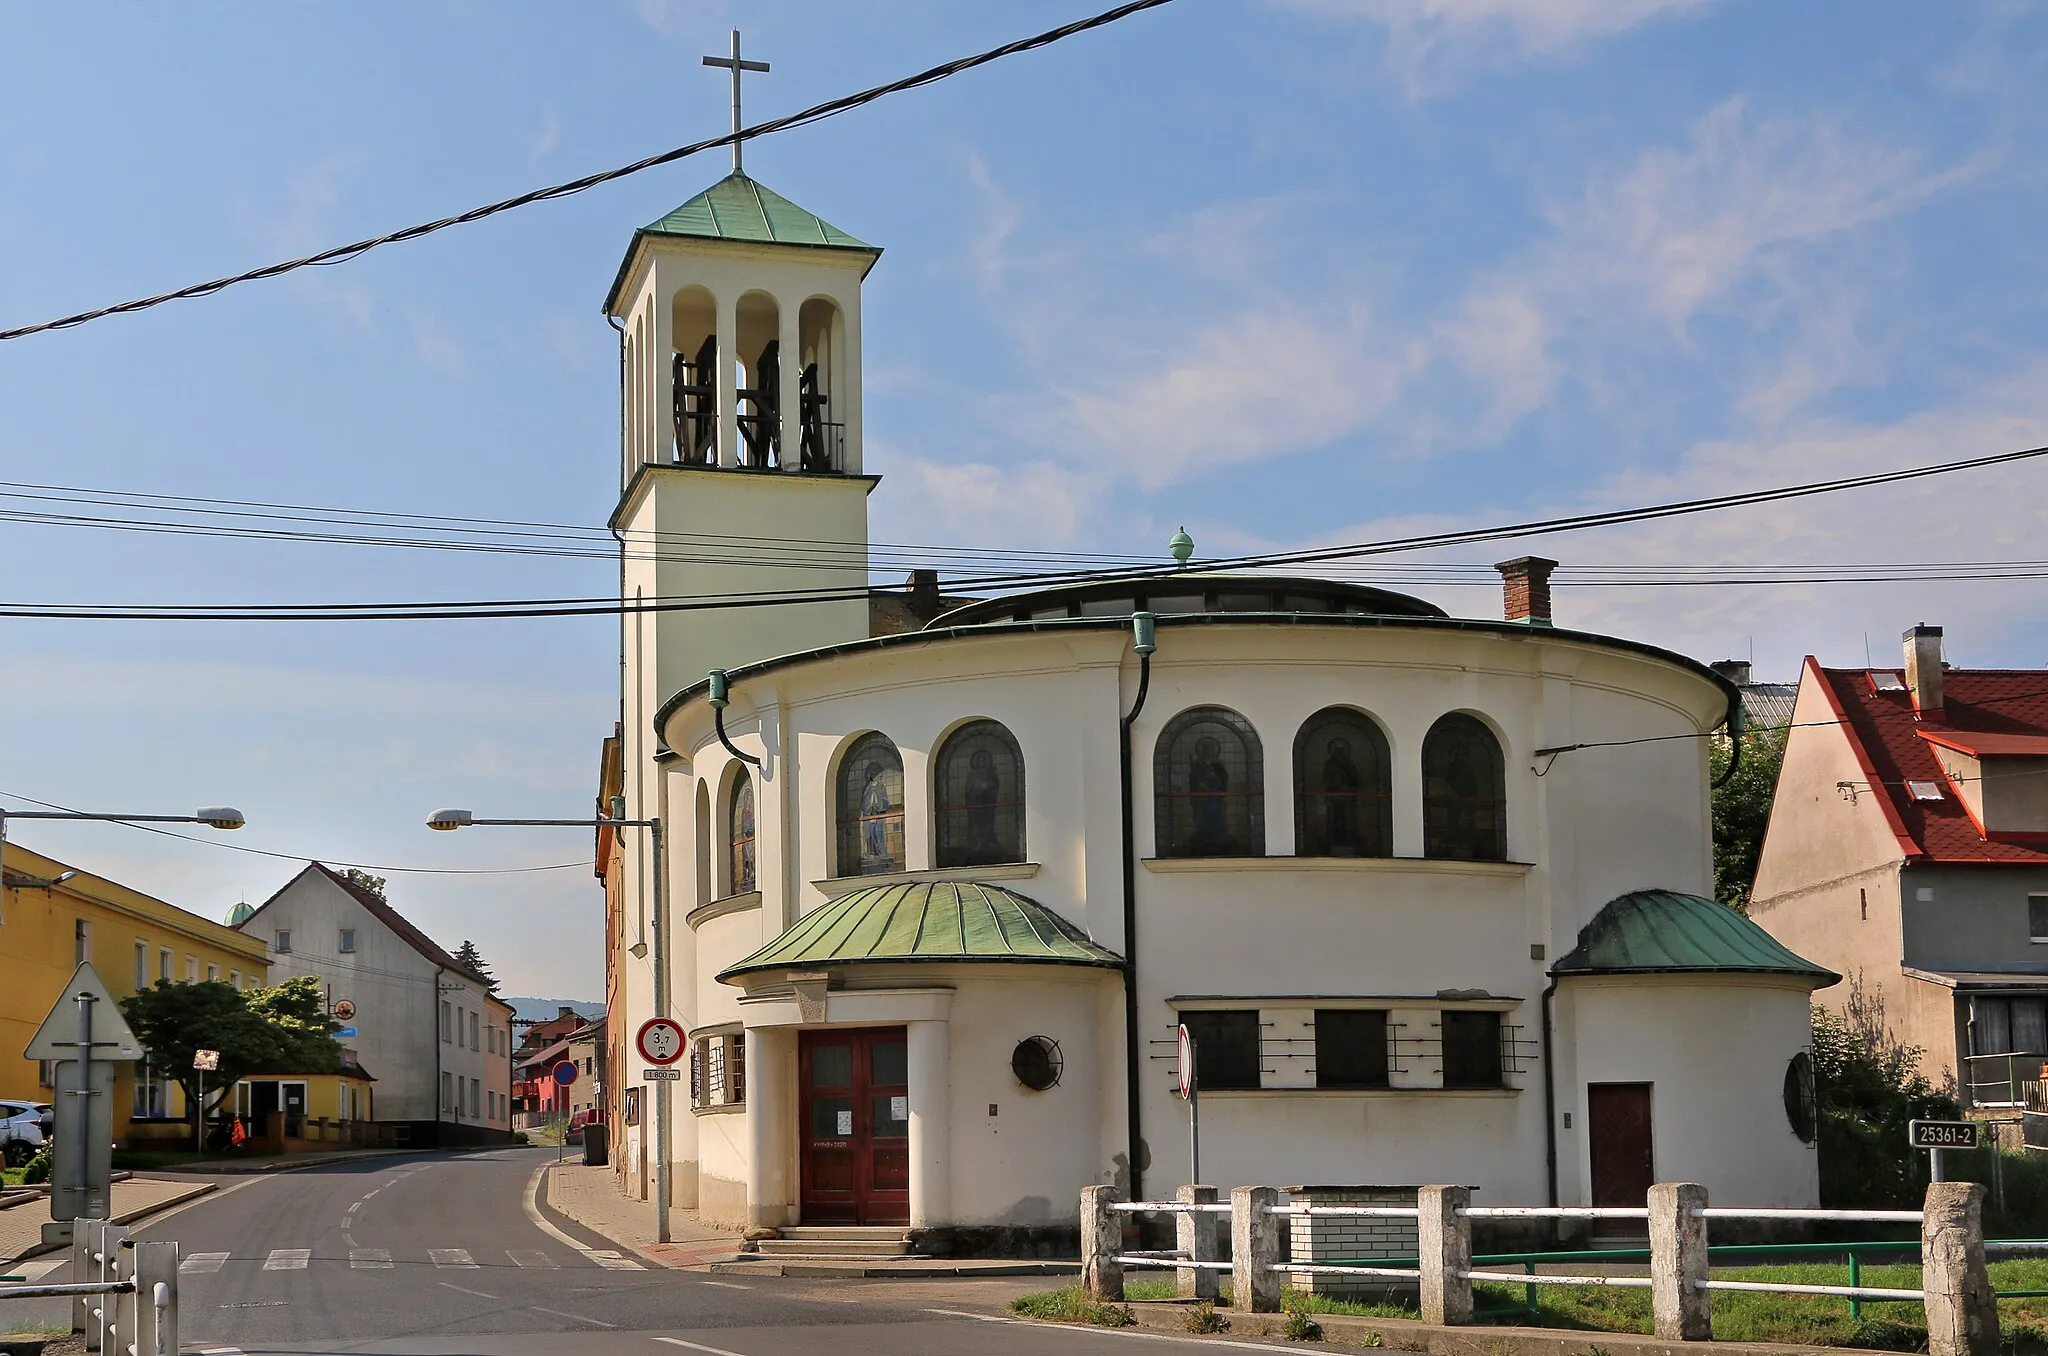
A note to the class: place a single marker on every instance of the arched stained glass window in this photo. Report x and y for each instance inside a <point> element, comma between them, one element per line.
<point>1209,785</point>
<point>1464,792</point>
<point>1343,787</point>
<point>980,797</point>
<point>740,835</point>
<point>871,808</point>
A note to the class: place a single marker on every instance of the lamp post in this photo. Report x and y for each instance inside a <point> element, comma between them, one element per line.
<point>449,820</point>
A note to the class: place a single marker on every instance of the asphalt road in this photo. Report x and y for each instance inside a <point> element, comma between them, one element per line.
<point>442,1256</point>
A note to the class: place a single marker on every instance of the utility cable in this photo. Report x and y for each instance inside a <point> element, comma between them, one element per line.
<point>816,113</point>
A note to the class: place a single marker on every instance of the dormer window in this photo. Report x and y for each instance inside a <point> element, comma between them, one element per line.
<point>1923,790</point>
<point>2000,779</point>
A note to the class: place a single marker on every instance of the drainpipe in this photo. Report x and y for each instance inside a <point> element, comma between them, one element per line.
<point>1143,642</point>
<point>1550,1100</point>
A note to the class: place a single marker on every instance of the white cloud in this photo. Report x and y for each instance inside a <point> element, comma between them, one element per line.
<point>549,136</point>
<point>436,347</point>
<point>1042,503</point>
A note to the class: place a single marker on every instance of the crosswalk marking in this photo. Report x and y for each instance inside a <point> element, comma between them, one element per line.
<point>533,1257</point>
<point>609,1257</point>
<point>369,1259</point>
<point>203,1261</point>
<point>451,1257</point>
<point>287,1259</point>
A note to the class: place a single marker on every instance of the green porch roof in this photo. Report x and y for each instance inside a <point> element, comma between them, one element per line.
<point>927,922</point>
<point>739,209</point>
<point>1663,932</point>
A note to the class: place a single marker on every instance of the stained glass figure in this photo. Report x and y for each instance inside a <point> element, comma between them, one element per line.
<point>1343,788</point>
<point>871,808</point>
<point>741,827</point>
<point>1464,792</point>
<point>980,795</point>
<point>1209,786</point>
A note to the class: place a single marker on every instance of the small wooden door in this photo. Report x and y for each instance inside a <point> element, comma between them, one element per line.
<point>855,1126</point>
<point>1618,1135</point>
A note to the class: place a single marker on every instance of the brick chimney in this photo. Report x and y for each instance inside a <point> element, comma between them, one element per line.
<point>1525,589</point>
<point>1923,667</point>
<point>1735,671</point>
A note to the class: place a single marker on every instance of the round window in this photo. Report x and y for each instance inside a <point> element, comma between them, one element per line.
<point>1801,1108</point>
<point>1036,1062</point>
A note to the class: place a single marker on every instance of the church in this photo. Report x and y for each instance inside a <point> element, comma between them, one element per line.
<point>941,879</point>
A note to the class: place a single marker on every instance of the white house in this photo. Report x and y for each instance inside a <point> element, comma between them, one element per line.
<point>429,1028</point>
<point>1428,891</point>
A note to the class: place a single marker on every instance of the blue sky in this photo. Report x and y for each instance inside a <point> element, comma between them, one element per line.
<point>1290,272</point>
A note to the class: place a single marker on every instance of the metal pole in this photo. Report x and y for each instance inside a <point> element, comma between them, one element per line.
<point>1934,1166</point>
<point>1194,1119</point>
<point>199,1117</point>
<point>661,1089</point>
<point>84,1120</point>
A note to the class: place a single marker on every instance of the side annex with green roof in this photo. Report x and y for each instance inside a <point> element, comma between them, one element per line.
<point>1657,932</point>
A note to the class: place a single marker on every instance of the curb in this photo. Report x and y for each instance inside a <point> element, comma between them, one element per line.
<point>937,1267</point>
<point>642,1251</point>
<point>126,1217</point>
<point>292,1163</point>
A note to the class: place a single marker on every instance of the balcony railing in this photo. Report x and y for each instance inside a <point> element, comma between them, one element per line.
<point>2007,1079</point>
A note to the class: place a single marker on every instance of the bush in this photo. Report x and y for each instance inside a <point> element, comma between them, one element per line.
<point>1204,1318</point>
<point>1072,1305</point>
<point>1301,1328</point>
<point>38,1169</point>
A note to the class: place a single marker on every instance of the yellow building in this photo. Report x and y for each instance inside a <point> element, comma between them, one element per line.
<point>51,918</point>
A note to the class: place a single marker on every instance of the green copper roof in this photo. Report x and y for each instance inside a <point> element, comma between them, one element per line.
<point>1662,931</point>
<point>927,921</point>
<point>240,914</point>
<point>737,208</point>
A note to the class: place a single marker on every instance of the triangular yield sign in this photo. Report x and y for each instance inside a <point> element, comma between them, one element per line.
<point>57,1037</point>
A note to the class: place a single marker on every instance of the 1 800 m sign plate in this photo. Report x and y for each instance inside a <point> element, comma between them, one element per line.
<point>1942,1134</point>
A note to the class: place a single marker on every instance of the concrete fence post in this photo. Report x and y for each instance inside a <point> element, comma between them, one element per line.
<point>1195,1233</point>
<point>1444,1244</point>
<point>1102,1242</point>
<point>1962,1312</point>
<point>156,1330</point>
<point>83,1234</point>
<point>1254,1250</point>
<point>1680,1309</point>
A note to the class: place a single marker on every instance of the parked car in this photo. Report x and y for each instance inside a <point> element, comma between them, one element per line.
<point>21,1132</point>
<point>590,1115</point>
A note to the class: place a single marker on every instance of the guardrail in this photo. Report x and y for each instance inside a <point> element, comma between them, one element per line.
<point>1962,1310</point>
<point>127,1302</point>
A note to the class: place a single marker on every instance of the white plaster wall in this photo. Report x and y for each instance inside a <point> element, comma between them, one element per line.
<point>721,1137</point>
<point>1715,1050</point>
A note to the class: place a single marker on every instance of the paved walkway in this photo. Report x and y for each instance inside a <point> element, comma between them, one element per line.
<point>591,1197</point>
<point>21,1227</point>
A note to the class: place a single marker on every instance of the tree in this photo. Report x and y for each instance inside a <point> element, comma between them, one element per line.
<point>277,1030</point>
<point>1867,1086</point>
<point>364,881</point>
<point>468,956</point>
<point>1742,810</point>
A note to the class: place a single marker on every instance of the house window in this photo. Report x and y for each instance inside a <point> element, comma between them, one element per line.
<point>348,941</point>
<point>1208,778</point>
<point>475,1041</point>
<point>1343,787</point>
<point>1464,792</point>
<point>235,978</point>
<point>740,836</point>
<point>149,1092</point>
<point>2037,917</point>
<point>46,1073</point>
<point>283,945</point>
<point>141,966</point>
<point>447,1091</point>
<point>191,969</point>
<point>714,1072</point>
<point>1226,1047</point>
<point>980,797</point>
<point>1471,1049</point>
<point>81,941</point>
<point>164,960</point>
<point>871,808</point>
<point>736,1068</point>
<point>213,974</point>
<point>1351,1048</point>
<point>475,1096</point>
<point>2000,1026</point>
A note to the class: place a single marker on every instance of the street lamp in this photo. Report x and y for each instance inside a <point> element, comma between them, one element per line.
<point>214,816</point>
<point>450,820</point>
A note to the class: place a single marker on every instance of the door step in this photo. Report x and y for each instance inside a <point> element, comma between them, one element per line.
<point>844,1233</point>
<point>823,1248</point>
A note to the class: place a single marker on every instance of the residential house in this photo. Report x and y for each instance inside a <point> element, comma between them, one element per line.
<point>439,1040</point>
<point>1908,850</point>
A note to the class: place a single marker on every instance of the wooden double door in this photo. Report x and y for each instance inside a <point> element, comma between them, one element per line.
<point>854,1109</point>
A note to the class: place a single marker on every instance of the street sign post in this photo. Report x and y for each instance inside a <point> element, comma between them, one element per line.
<point>1934,1136</point>
<point>1184,1068</point>
<point>86,1035</point>
<point>661,1040</point>
<point>205,1061</point>
<point>565,1072</point>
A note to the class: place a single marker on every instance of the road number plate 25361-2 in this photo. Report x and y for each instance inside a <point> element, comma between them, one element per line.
<point>1943,1134</point>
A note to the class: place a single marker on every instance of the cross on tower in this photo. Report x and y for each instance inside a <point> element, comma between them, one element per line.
<point>735,65</point>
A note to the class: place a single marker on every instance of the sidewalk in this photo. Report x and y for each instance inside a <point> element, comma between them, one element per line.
<point>21,1227</point>
<point>591,1197</point>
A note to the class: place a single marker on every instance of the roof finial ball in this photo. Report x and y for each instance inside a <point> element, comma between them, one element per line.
<point>1182,546</point>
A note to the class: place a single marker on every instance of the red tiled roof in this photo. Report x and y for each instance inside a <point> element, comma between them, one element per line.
<point>1984,708</point>
<point>390,918</point>
<point>1989,745</point>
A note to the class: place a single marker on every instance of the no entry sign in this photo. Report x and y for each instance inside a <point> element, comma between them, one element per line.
<point>661,1040</point>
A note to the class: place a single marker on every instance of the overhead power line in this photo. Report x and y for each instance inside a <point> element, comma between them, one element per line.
<point>831,108</point>
<point>406,611</point>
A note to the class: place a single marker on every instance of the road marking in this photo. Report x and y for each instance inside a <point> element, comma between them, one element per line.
<point>203,1261</point>
<point>727,1285</point>
<point>962,1313</point>
<point>452,1257</point>
<point>287,1259</point>
<point>605,1258</point>
<point>695,1346</point>
<point>595,1322</point>
<point>533,1257</point>
<point>478,1293</point>
<point>368,1194</point>
<point>257,1304</point>
<point>348,1238</point>
<point>369,1259</point>
<point>357,1206</point>
<point>609,1257</point>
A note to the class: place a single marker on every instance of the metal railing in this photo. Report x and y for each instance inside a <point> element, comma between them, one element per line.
<point>2002,1079</point>
<point>126,1298</point>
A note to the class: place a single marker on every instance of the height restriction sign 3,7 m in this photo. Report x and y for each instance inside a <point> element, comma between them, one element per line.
<point>661,1042</point>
